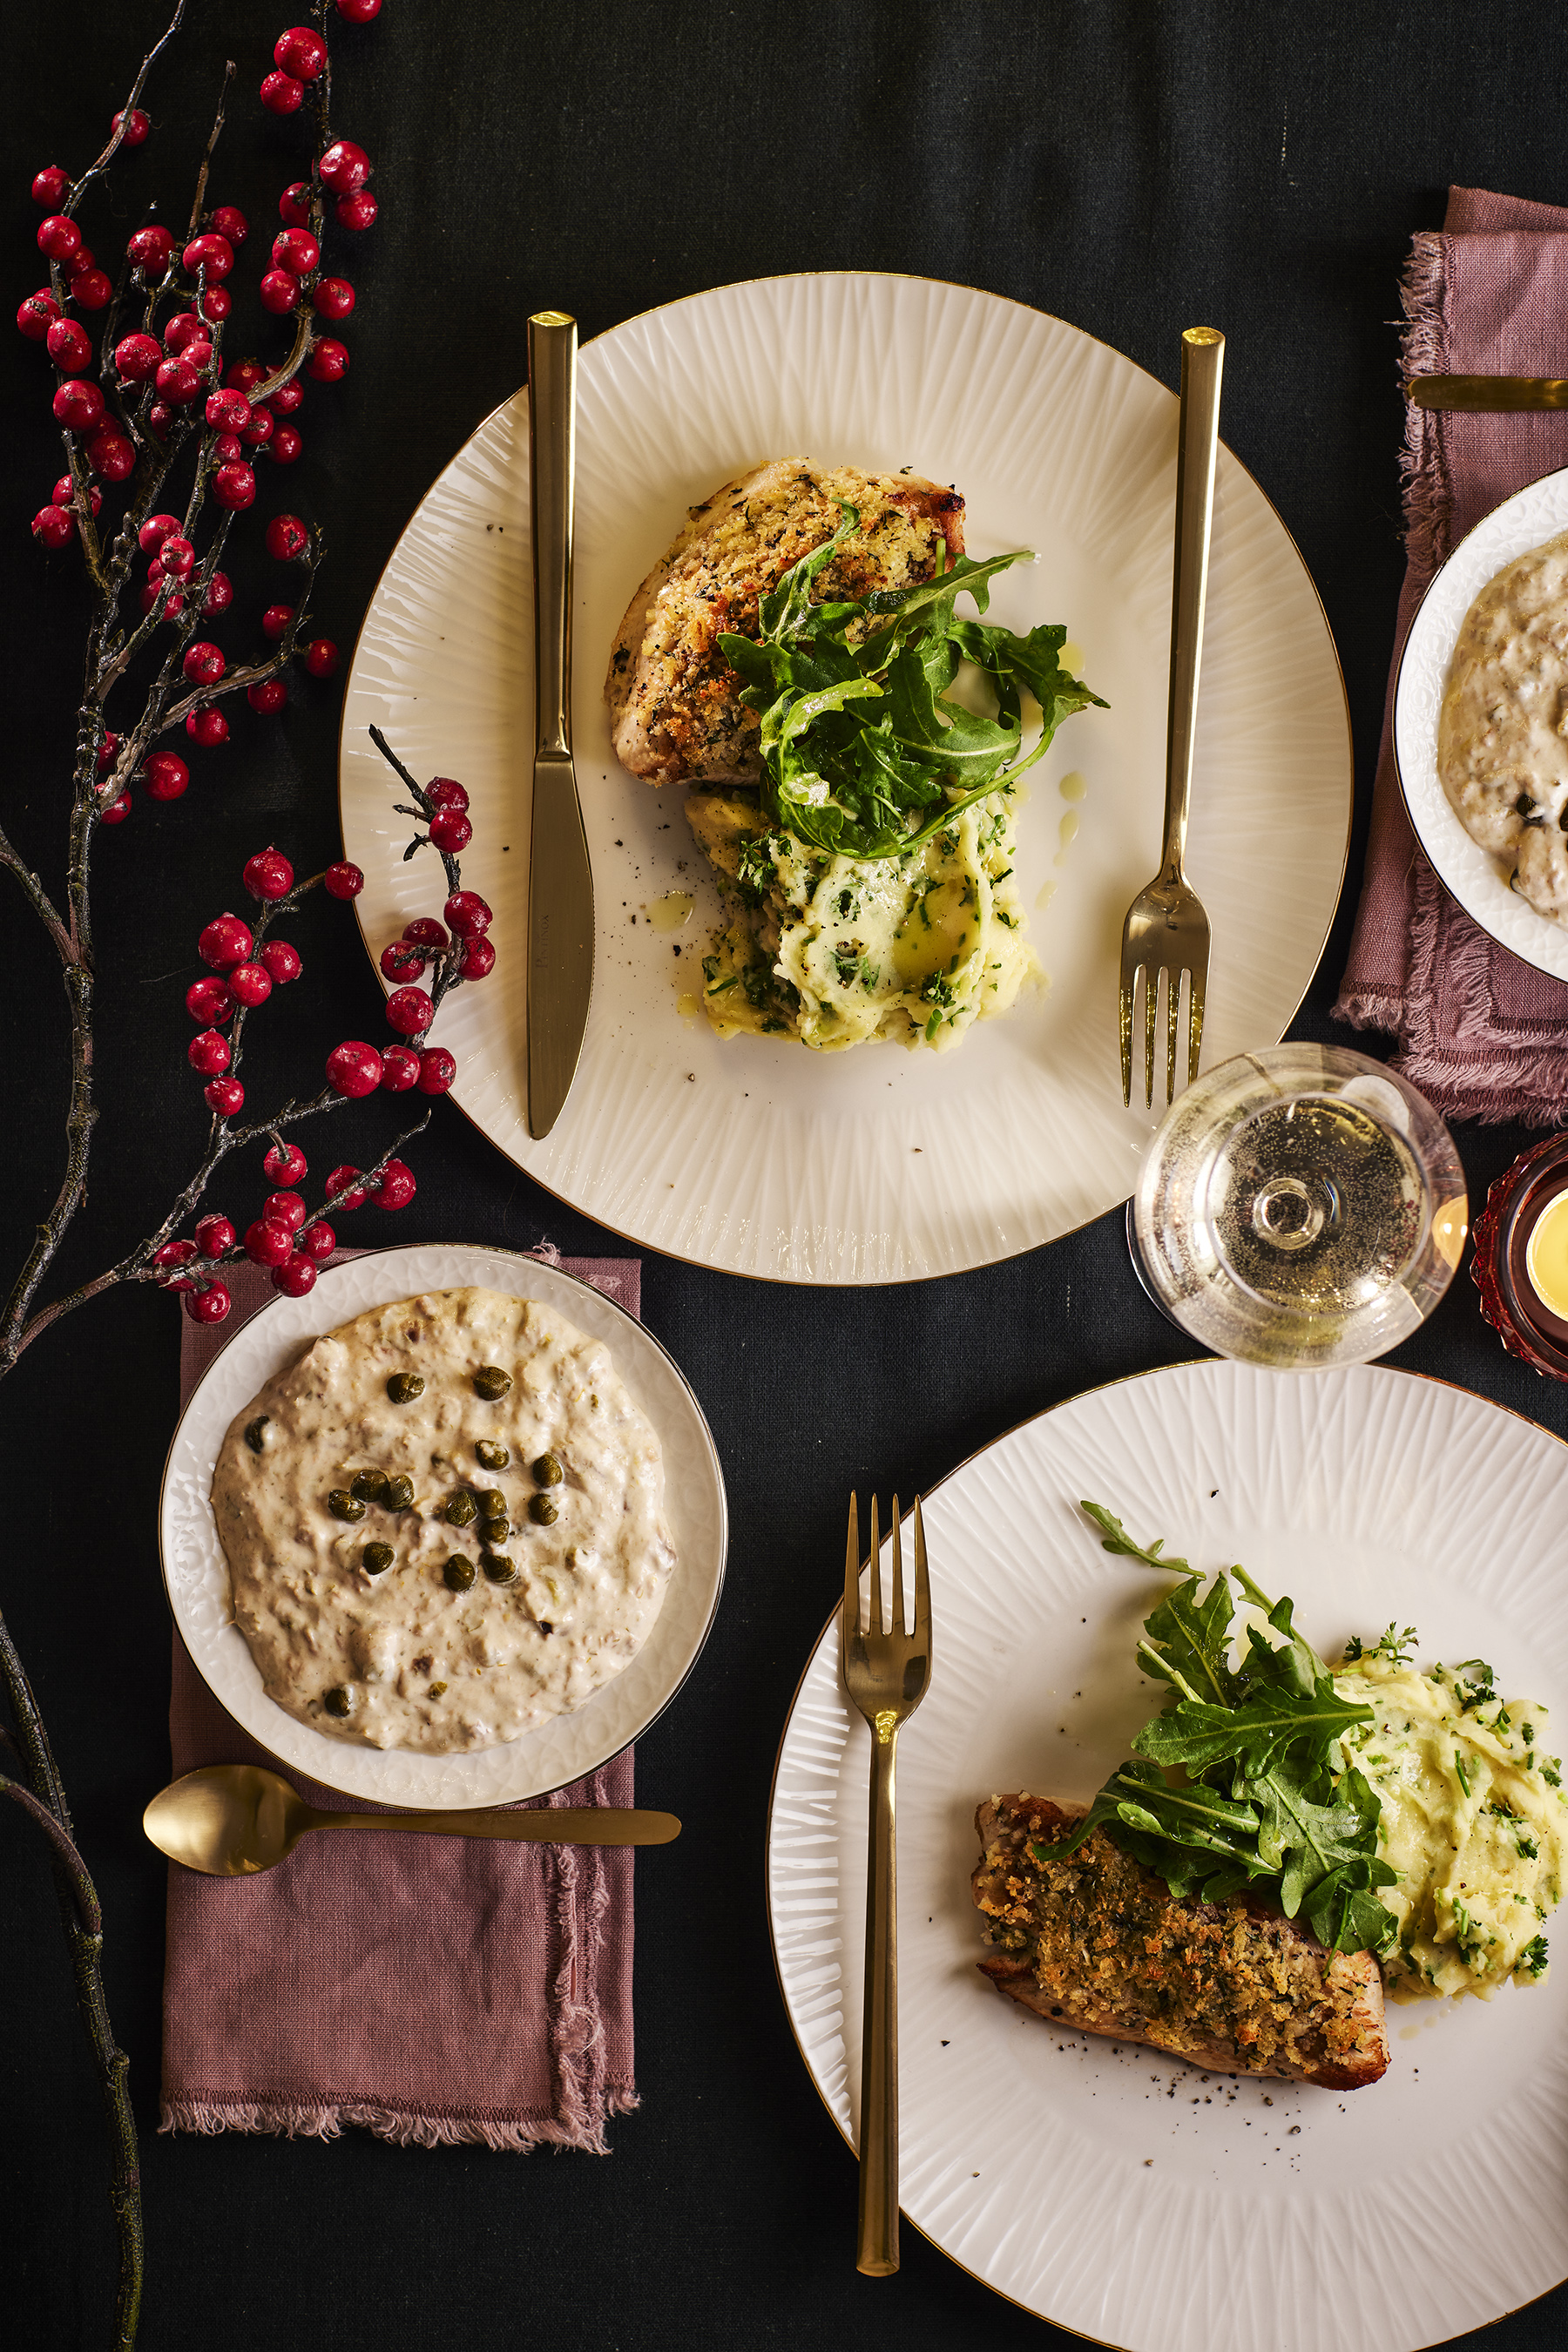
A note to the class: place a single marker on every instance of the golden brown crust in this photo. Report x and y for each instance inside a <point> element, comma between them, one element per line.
<point>674,700</point>
<point>1100,1945</point>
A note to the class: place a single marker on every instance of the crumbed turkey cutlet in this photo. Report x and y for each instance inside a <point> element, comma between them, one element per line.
<point>1100,1945</point>
<point>676,714</point>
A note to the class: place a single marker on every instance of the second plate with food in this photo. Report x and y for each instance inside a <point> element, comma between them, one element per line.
<point>1135,2201</point>
<point>566,1746</point>
<point>1477,880</point>
<point>877,1164</point>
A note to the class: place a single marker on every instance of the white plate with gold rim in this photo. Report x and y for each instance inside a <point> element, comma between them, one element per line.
<point>882,1165</point>
<point>1135,2201</point>
<point>195,1574</point>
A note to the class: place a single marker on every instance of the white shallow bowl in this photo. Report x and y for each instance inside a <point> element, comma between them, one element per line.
<point>880,1164</point>
<point>1133,2200</point>
<point>1477,880</point>
<point>196,1573</point>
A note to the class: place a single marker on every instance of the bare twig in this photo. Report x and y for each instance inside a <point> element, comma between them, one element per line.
<point>82,1921</point>
<point>112,649</point>
<point>101,162</point>
<point>198,200</point>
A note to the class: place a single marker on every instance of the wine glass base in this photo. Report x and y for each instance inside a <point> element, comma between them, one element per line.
<point>1145,1286</point>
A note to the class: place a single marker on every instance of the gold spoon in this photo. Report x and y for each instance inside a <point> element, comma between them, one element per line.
<point>232,1820</point>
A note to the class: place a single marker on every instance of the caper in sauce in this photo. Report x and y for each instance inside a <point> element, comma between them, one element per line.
<point>491,1502</point>
<point>339,1700</point>
<point>461,1510</point>
<point>344,1506</point>
<point>499,1568</point>
<point>495,1531</point>
<point>547,1471</point>
<point>377,1558</point>
<point>541,1510</point>
<point>491,1456</point>
<point>399,1494</point>
<point>404,1387</point>
<point>256,1433</point>
<point>369,1486</point>
<point>490,1382</point>
<point>459,1573</point>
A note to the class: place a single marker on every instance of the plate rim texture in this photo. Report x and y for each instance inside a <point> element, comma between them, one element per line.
<point>825,1176</point>
<point>568,1746</point>
<point>1111,2208</point>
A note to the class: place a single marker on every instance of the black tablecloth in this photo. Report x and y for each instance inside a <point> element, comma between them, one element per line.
<point>1134,168</point>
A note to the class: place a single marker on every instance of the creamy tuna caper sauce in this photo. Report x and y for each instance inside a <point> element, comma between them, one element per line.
<point>1502,730</point>
<point>1474,1820</point>
<point>444,1524</point>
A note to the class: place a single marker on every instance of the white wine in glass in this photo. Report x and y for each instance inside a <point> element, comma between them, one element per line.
<point>1301,1206</point>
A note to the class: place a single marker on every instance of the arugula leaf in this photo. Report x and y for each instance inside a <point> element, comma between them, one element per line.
<point>1186,1641</point>
<point>1141,1797</point>
<point>1118,1539</point>
<point>1238,1782</point>
<point>864,754</point>
<point>941,733</point>
<point>1345,1915</point>
<point>1257,1738</point>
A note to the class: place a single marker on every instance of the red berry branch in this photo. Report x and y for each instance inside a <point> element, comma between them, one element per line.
<point>178,440</point>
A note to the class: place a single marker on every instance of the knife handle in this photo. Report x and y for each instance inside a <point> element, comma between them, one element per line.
<point>551,409</point>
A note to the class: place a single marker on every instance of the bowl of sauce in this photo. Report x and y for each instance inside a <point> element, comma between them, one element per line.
<point>1521,1266</point>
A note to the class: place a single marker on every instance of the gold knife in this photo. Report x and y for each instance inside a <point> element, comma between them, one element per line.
<point>560,879</point>
<point>1487,395</point>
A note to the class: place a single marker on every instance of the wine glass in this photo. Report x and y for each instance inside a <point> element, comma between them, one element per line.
<point>1300,1206</point>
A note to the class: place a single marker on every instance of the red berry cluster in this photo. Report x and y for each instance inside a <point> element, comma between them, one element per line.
<point>244,969</point>
<point>164,382</point>
<point>286,1238</point>
<point>244,966</point>
<point>460,950</point>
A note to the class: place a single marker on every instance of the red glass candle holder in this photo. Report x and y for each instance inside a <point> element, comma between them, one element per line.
<point>1509,1301</point>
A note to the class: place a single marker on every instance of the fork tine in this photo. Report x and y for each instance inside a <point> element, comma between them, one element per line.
<point>922,1581</point>
<point>849,1623</point>
<point>1124,1011</point>
<point>874,1598</point>
<point>897,1573</point>
<point>1195,1022</point>
<point>1150,1000</point>
<point>1172,1009</point>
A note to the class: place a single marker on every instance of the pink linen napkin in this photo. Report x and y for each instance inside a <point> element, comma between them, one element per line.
<point>1483,1035</point>
<point>434,1990</point>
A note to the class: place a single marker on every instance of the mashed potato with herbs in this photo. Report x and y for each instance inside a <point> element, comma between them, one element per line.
<point>1475,1821</point>
<point>838,951</point>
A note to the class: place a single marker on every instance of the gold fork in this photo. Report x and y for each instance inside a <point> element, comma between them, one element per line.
<point>885,1672</point>
<point>1166,932</point>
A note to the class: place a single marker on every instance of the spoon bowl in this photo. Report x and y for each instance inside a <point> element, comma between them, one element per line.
<point>230,1820</point>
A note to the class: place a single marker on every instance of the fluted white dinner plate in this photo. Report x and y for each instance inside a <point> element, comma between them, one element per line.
<point>1135,2201</point>
<point>1477,880</point>
<point>195,1574</point>
<point>880,1164</point>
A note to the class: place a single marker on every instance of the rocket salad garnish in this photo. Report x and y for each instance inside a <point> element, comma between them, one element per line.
<point>1262,1802</point>
<point>863,755</point>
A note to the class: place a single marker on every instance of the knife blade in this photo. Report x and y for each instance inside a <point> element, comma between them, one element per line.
<point>559,880</point>
<point>1487,395</point>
